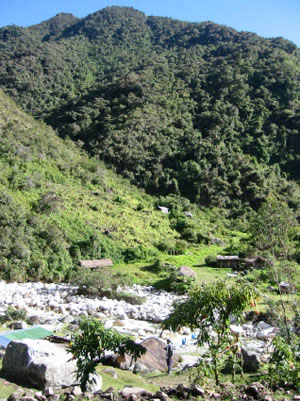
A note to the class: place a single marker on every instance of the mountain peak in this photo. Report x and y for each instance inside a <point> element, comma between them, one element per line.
<point>53,27</point>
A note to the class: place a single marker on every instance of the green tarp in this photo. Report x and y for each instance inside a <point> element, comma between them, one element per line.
<point>34,333</point>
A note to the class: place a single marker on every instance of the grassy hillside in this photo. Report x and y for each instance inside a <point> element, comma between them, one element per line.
<point>57,205</point>
<point>192,109</point>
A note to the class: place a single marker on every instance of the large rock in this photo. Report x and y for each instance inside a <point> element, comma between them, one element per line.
<point>154,358</point>
<point>94,384</point>
<point>251,360</point>
<point>39,363</point>
<point>186,271</point>
<point>128,392</point>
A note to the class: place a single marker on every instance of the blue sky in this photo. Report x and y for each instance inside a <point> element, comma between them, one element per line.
<point>267,18</point>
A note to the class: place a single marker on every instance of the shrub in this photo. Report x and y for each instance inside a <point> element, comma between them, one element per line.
<point>180,247</point>
<point>284,365</point>
<point>95,283</point>
<point>12,314</point>
<point>159,267</point>
<point>211,261</point>
<point>130,298</point>
<point>104,283</point>
<point>175,283</point>
<point>133,254</point>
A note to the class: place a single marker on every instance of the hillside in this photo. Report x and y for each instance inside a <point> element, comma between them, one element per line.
<point>195,109</point>
<point>57,205</point>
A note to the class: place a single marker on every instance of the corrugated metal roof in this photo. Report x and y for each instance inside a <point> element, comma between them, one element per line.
<point>33,333</point>
<point>96,263</point>
<point>220,257</point>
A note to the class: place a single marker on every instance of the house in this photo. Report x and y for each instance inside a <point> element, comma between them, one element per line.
<point>163,209</point>
<point>286,288</point>
<point>96,263</point>
<point>228,261</point>
<point>256,262</point>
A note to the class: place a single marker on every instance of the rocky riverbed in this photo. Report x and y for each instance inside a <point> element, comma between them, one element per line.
<point>55,305</point>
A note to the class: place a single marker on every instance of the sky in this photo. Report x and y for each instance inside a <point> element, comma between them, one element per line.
<point>268,18</point>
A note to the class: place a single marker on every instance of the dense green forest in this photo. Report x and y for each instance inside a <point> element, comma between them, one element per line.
<point>57,205</point>
<point>194,109</point>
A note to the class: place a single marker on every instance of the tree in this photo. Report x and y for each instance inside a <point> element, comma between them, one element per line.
<point>90,342</point>
<point>209,308</point>
<point>271,226</point>
<point>270,230</point>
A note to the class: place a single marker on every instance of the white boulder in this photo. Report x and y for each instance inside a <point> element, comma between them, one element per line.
<point>39,363</point>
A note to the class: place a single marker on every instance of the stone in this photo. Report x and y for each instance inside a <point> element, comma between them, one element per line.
<point>154,358</point>
<point>235,329</point>
<point>128,392</point>
<point>39,396</point>
<point>39,363</point>
<point>140,368</point>
<point>186,271</point>
<point>18,325</point>
<point>94,384</point>
<point>162,396</point>
<point>76,390</point>
<point>49,392</point>
<point>251,360</point>
<point>14,396</point>
<point>266,334</point>
<point>215,396</point>
<point>34,319</point>
<point>197,390</point>
<point>255,390</point>
<point>108,396</point>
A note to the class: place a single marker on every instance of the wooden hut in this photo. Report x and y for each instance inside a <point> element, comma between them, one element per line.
<point>228,261</point>
<point>256,262</point>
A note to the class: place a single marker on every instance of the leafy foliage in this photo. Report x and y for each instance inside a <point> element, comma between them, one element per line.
<point>58,206</point>
<point>12,314</point>
<point>209,309</point>
<point>198,110</point>
<point>284,365</point>
<point>271,226</point>
<point>91,341</point>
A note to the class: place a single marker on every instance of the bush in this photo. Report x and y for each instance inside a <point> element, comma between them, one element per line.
<point>180,247</point>
<point>172,248</point>
<point>175,283</point>
<point>211,260</point>
<point>134,254</point>
<point>104,283</point>
<point>159,267</point>
<point>166,246</point>
<point>284,365</point>
<point>12,314</point>
<point>95,283</point>
<point>130,298</point>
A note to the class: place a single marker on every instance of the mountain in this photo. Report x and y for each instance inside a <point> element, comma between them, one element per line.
<point>57,205</point>
<point>191,109</point>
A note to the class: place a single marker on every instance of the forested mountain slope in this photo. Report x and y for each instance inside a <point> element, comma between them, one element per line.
<point>57,205</point>
<point>195,109</point>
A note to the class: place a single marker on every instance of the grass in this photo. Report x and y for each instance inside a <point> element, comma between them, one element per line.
<point>125,378</point>
<point>7,387</point>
